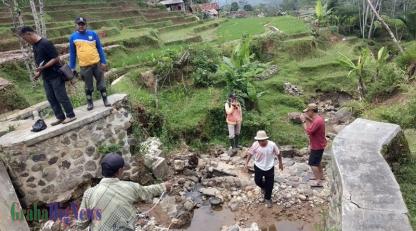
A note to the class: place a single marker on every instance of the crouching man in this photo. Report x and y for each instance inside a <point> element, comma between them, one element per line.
<point>115,198</point>
<point>265,153</point>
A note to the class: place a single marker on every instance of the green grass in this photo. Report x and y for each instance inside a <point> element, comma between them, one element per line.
<point>235,28</point>
<point>17,75</point>
<point>407,177</point>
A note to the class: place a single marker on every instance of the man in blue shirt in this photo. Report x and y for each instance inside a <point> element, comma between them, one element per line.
<point>85,44</point>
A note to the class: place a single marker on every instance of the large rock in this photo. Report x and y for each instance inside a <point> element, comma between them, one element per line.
<point>152,158</point>
<point>212,192</point>
<point>343,115</point>
<point>295,117</point>
<point>236,227</point>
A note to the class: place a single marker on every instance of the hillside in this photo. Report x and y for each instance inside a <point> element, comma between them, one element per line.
<point>172,66</point>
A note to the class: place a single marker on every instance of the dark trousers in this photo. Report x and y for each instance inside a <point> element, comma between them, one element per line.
<point>88,74</point>
<point>56,94</point>
<point>265,180</point>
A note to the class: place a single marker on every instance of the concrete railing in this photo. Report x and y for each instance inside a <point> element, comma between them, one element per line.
<point>365,194</point>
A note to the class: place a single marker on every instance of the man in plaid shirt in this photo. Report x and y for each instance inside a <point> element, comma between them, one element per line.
<point>109,205</point>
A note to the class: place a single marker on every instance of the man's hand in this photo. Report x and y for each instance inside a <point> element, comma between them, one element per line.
<point>168,186</point>
<point>39,69</point>
<point>302,118</point>
<point>36,76</point>
<point>281,166</point>
<point>246,167</point>
<point>104,67</point>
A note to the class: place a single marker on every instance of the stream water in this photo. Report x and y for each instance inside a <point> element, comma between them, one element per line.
<point>206,219</point>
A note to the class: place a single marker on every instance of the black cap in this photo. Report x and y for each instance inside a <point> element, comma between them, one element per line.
<point>232,95</point>
<point>25,29</point>
<point>81,20</point>
<point>111,163</point>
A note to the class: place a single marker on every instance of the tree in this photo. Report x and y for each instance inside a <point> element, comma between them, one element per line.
<point>234,6</point>
<point>385,26</point>
<point>26,50</point>
<point>35,17</point>
<point>42,18</point>
<point>410,22</point>
<point>248,7</point>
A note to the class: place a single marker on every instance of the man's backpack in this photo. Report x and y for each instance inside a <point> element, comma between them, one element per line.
<point>39,125</point>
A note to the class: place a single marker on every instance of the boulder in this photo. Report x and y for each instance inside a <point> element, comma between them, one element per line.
<point>295,117</point>
<point>288,151</point>
<point>152,158</point>
<point>178,165</point>
<point>210,191</point>
<point>291,89</point>
<point>236,227</point>
<point>343,115</point>
<point>148,79</point>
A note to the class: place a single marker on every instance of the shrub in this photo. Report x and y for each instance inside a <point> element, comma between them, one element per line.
<point>300,47</point>
<point>388,82</point>
<point>204,61</point>
<point>105,149</point>
<point>404,115</point>
<point>265,47</point>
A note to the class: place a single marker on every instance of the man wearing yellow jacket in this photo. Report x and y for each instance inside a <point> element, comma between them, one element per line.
<point>85,44</point>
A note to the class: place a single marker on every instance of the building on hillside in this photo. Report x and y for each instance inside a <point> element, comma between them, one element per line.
<point>174,5</point>
<point>211,9</point>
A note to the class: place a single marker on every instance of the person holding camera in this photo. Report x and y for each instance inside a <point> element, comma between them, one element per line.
<point>47,62</point>
<point>314,126</point>
<point>234,117</point>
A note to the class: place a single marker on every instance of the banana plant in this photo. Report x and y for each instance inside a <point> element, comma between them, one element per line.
<point>357,69</point>
<point>239,72</point>
<point>322,11</point>
<point>381,60</point>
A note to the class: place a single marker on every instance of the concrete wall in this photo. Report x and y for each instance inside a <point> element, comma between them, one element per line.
<point>365,194</point>
<point>51,165</point>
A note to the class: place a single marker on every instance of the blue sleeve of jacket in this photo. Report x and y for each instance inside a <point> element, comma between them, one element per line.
<point>72,53</point>
<point>100,49</point>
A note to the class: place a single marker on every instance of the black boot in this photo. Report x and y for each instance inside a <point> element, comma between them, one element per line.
<point>232,143</point>
<point>90,104</point>
<point>105,100</point>
<point>236,141</point>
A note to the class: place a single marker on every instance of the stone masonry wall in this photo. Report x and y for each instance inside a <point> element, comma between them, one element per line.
<point>365,195</point>
<point>51,170</point>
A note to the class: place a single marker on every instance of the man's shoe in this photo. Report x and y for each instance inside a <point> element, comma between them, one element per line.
<point>68,120</point>
<point>90,105</point>
<point>56,122</point>
<point>269,203</point>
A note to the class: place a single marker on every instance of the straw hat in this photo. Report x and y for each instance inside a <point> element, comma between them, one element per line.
<point>311,107</point>
<point>261,135</point>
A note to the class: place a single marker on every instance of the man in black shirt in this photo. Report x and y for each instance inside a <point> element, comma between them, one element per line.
<point>47,61</point>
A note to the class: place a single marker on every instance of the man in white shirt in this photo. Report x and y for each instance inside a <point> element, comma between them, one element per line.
<point>265,153</point>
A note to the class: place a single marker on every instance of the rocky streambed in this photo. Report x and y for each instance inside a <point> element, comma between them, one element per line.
<point>213,191</point>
